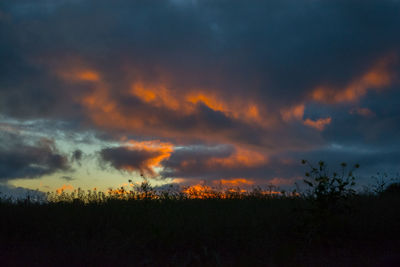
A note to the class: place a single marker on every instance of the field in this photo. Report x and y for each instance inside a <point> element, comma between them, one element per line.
<point>242,229</point>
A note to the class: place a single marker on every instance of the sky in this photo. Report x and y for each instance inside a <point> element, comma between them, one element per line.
<point>96,92</point>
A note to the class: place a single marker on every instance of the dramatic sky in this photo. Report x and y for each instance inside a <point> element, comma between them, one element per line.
<point>96,92</point>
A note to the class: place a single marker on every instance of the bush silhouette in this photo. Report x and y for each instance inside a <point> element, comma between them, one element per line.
<point>328,190</point>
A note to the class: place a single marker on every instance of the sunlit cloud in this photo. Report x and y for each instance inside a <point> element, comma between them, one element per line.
<point>240,158</point>
<point>293,113</point>
<point>318,124</point>
<point>213,163</point>
<point>158,96</point>
<point>376,79</point>
<point>142,157</point>
<point>235,182</point>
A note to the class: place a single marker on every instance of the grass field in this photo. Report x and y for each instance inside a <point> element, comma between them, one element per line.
<point>262,230</point>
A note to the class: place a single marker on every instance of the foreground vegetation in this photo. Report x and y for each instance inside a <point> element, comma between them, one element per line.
<point>329,225</point>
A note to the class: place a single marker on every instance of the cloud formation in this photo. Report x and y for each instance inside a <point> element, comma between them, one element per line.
<point>235,89</point>
<point>137,156</point>
<point>19,159</point>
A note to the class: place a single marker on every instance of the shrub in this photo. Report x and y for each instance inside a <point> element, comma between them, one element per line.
<point>328,190</point>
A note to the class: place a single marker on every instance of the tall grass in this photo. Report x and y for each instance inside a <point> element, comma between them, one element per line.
<point>144,191</point>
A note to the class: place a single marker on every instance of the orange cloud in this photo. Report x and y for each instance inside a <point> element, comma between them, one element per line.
<point>158,102</point>
<point>163,150</point>
<point>235,182</point>
<point>297,113</point>
<point>88,75</point>
<point>158,96</point>
<point>142,156</point>
<point>102,109</point>
<point>240,158</point>
<point>239,109</point>
<point>377,78</point>
<point>318,124</point>
<point>293,113</point>
<point>77,71</point>
<point>208,100</point>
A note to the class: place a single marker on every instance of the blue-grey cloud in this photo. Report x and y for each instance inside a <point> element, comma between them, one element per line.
<point>140,159</point>
<point>21,159</point>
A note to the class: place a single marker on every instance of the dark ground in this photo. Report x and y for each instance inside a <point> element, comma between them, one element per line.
<point>213,232</point>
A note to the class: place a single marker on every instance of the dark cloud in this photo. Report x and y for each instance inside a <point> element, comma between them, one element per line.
<point>21,159</point>
<point>191,161</point>
<point>77,156</point>
<point>67,178</point>
<point>215,163</point>
<point>219,162</point>
<point>142,159</point>
<point>222,45</point>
